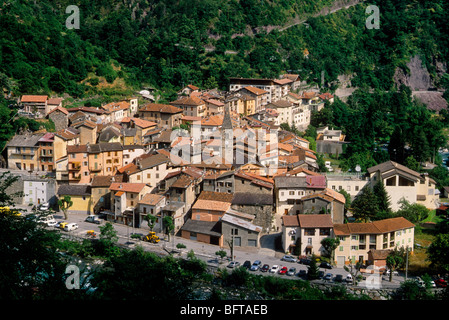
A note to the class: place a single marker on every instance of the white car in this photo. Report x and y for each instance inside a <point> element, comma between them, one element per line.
<point>48,220</point>
<point>71,226</point>
<point>44,206</point>
<point>348,278</point>
<point>274,269</point>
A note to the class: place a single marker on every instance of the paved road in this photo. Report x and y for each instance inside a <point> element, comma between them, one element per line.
<point>266,253</point>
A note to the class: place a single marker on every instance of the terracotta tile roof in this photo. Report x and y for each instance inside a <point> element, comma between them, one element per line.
<point>216,196</point>
<point>116,106</point>
<point>335,195</point>
<point>104,181</point>
<point>255,90</point>
<point>151,199</point>
<point>54,101</point>
<point>33,98</point>
<point>211,205</point>
<point>282,81</point>
<point>188,101</point>
<point>290,221</point>
<point>182,182</point>
<point>375,227</point>
<point>61,109</point>
<point>162,108</point>
<point>315,220</point>
<point>127,187</point>
<point>77,149</point>
<point>139,122</point>
<point>67,133</point>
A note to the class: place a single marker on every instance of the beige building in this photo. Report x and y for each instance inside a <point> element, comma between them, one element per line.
<point>192,106</point>
<point>306,231</point>
<point>22,152</point>
<point>402,182</point>
<point>166,116</point>
<point>357,239</point>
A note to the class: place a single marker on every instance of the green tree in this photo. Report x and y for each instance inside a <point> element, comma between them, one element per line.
<point>330,244</point>
<point>438,252</point>
<point>365,205</point>
<point>169,225</point>
<point>151,219</point>
<point>312,269</point>
<point>413,212</point>
<point>65,204</point>
<point>394,261</point>
<point>383,198</point>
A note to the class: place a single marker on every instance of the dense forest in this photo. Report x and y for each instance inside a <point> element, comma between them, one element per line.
<point>168,44</point>
<point>123,46</point>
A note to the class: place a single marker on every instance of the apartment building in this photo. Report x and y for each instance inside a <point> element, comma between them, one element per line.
<point>22,152</point>
<point>357,239</point>
<point>192,106</point>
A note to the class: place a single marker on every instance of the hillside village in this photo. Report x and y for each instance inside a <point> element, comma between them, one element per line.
<point>218,163</point>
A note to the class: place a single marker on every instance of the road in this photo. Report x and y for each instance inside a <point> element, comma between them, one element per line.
<point>266,253</point>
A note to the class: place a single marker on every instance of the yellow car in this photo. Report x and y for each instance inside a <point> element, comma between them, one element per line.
<point>62,225</point>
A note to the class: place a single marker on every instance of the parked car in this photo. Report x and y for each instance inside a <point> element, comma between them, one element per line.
<point>320,274</point>
<point>338,278</point>
<point>233,264</point>
<point>395,273</point>
<point>247,264</point>
<point>265,268</point>
<point>305,261</point>
<point>44,206</point>
<point>291,271</point>
<point>61,224</point>
<point>302,273</point>
<point>349,278</point>
<point>289,258</point>
<point>93,219</point>
<point>440,283</point>
<point>71,226</point>
<point>325,265</point>
<point>274,269</point>
<point>48,220</point>
<point>283,270</point>
<point>328,276</point>
<point>256,265</point>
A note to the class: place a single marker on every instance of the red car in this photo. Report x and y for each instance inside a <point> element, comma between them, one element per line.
<point>283,270</point>
<point>440,283</point>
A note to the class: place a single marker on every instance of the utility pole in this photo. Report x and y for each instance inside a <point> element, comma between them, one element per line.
<point>406,263</point>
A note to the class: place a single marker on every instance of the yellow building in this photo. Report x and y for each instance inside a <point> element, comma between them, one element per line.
<point>80,196</point>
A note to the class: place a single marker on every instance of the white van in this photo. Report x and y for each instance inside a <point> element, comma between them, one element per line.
<point>71,226</point>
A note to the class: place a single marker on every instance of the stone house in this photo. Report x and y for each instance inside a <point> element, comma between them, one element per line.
<point>239,230</point>
<point>59,116</point>
<point>166,116</point>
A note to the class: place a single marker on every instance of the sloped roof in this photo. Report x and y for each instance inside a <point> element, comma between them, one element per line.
<point>375,227</point>
<point>24,140</point>
<point>74,190</point>
<point>127,187</point>
<point>162,108</point>
<point>33,98</point>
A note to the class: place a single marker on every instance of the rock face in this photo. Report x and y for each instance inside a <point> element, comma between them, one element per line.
<point>423,87</point>
<point>417,79</point>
